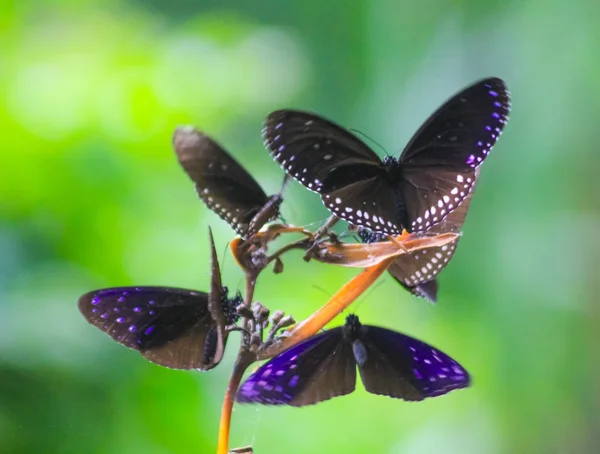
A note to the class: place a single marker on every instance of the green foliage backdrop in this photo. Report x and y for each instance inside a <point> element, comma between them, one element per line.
<point>92,196</point>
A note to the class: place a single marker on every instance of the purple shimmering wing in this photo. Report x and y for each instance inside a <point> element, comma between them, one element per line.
<point>171,327</point>
<point>438,163</point>
<point>315,370</point>
<point>400,366</point>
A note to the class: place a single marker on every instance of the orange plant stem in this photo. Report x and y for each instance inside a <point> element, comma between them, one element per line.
<point>338,302</point>
<point>244,359</point>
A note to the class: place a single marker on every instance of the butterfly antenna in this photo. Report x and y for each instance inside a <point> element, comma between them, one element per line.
<point>367,295</point>
<point>356,131</point>
<point>321,289</point>
<point>239,283</point>
<point>284,183</point>
<point>223,258</point>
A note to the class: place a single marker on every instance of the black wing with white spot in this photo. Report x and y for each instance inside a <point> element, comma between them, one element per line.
<point>223,184</point>
<point>309,147</point>
<point>422,266</point>
<point>438,163</point>
<point>315,370</point>
<point>402,367</point>
<point>427,290</point>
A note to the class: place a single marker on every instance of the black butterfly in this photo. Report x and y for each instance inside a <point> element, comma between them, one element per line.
<point>224,185</point>
<point>324,366</point>
<point>416,271</point>
<point>433,175</point>
<point>172,327</point>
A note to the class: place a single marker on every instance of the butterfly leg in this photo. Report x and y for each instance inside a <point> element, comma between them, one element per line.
<point>243,450</point>
<point>397,243</point>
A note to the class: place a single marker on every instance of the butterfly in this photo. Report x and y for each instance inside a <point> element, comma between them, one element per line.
<point>416,271</point>
<point>172,327</point>
<point>432,176</point>
<point>324,366</point>
<point>224,185</point>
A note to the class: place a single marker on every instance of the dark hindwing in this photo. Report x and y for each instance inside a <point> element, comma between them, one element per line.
<point>369,203</point>
<point>422,266</point>
<point>221,182</point>
<point>315,370</point>
<point>169,326</point>
<point>427,290</point>
<point>439,161</point>
<point>402,367</point>
<point>416,271</point>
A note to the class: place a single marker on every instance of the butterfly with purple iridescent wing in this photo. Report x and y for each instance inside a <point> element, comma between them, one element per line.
<point>414,192</point>
<point>172,327</point>
<point>324,366</point>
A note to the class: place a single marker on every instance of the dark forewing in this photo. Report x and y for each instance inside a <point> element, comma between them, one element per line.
<point>168,326</point>
<point>315,370</point>
<point>309,147</point>
<point>403,367</point>
<point>222,184</point>
<point>439,160</point>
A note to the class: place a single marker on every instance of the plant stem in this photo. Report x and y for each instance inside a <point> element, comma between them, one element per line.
<point>338,302</point>
<point>244,359</point>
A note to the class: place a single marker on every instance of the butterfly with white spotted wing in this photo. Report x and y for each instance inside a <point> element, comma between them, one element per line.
<point>172,327</point>
<point>414,192</point>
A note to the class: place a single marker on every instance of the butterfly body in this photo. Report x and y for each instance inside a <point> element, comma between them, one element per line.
<point>413,192</point>
<point>324,366</point>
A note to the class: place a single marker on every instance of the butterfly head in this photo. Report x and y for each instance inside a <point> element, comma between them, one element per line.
<point>230,305</point>
<point>353,328</point>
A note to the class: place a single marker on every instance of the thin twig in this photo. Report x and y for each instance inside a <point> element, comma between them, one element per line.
<point>244,359</point>
<point>300,244</point>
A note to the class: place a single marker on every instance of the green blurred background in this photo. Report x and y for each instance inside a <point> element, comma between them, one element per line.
<point>91,196</point>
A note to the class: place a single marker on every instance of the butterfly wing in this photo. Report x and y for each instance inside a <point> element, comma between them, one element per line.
<point>427,290</point>
<point>218,302</point>
<point>309,147</point>
<point>439,161</point>
<point>315,370</point>
<point>171,327</point>
<point>222,184</point>
<point>402,367</point>
<point>416,271</point>
<point>329,160</point>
